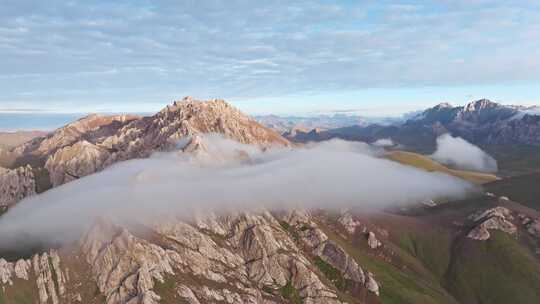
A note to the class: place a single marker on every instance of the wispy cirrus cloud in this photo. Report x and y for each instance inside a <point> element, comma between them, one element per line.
<point>130,52</point>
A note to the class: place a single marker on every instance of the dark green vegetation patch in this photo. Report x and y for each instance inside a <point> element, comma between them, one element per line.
<point>290,293</point>
<point>332,274</point>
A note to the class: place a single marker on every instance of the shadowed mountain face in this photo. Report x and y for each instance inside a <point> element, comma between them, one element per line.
<point>484,249</point>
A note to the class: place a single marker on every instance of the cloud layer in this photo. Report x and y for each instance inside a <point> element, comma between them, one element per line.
<point>383,142</point>
<point>457,152</point>
<point>330,175</point>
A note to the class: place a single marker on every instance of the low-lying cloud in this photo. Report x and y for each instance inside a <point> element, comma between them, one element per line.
<point>459,153</point>
<point>384,142</point>
<point>229,177</point>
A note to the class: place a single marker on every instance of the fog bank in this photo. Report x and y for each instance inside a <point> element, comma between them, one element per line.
<point>457,152</point>
<point>383,142</point>
<point>227,177</point>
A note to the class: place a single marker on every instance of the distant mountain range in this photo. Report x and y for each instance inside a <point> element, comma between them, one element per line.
<point>481,122</point>
<point>290,122</point>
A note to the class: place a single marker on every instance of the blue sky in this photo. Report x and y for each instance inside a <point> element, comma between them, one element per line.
<point>373,57</point>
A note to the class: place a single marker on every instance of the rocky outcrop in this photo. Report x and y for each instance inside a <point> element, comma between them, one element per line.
<point>498,218</point>
<point>124,266</point>
<point>6,270</point>
<point>92,128</point>
<point>330,252</point>
<point>372,240</point>
<point>371,284</point>
<point>46,272</point>
<point>10,271</point>
<point>76,161</point>
<point>348,222</point>
<point>351,225</point>
<point>15,185</point>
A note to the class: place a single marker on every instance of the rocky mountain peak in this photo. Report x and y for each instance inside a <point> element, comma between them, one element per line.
<point>485,111</point>
<point>480,105</point>
<point>191,116</point>
<point>443,105</point>
<point>443,112</point>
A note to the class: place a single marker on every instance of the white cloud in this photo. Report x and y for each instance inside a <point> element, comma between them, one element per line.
<point>330,175</point>
<point>457,152</point>
<point>384,142</point>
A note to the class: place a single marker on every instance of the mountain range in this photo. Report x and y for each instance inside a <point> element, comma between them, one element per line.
<point>484,248</point>
<point>481,122</point>
<point>324,121</point>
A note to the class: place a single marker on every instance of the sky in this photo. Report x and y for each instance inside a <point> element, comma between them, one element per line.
<point>377,57</point>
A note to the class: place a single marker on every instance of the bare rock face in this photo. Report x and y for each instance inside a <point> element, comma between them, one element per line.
<point>234,258</point>
<point>16,184</point>
<point>330,252</point>
<point>73,162</point>
<point>124,266</point>
<point>185,119</point>
<point>91,128</point>
<point>10,271</point>
<point>69,152</point>
<point>498,218</point>
<point>215,259</point>
<point>48,276</point>
<point>50,279</point>
<point>6,271</point>
<point>187,295</point>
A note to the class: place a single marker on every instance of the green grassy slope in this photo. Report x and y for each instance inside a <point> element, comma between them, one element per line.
<point>433,261</point>
<point>402,283</point>
<point>426,163</point>
<point>498,270</point>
